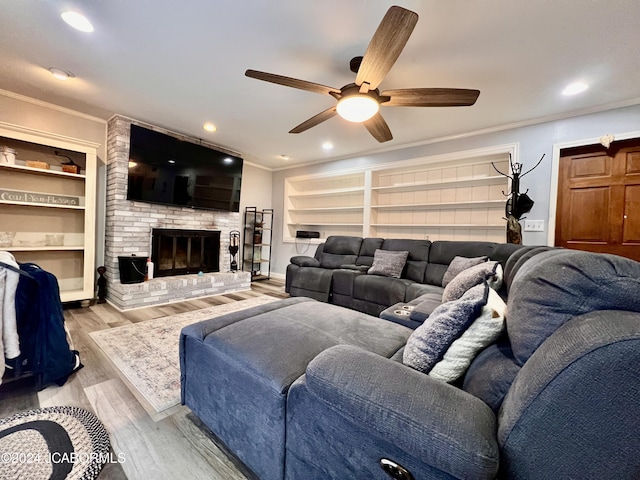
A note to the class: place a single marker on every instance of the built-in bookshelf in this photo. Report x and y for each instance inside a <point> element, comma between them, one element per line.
<point>452,198</point>
<point>331,205</point>
<point>48,214</point>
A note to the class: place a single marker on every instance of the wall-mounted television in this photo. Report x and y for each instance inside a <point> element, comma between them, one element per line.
<point>166,170</point>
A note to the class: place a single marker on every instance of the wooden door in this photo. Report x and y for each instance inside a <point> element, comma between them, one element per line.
<point>599,199</point>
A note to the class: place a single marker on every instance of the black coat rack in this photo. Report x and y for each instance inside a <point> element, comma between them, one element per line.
<point>517,203</point>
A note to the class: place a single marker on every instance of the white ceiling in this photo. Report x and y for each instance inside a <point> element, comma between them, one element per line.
<point>178,64</point>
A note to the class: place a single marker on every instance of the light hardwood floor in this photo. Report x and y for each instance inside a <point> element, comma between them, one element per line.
<point>156,447</point>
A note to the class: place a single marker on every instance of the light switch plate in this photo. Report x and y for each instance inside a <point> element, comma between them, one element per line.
<point>534,225</point>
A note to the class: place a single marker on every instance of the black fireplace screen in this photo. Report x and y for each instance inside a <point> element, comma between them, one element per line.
<point>179,252</point>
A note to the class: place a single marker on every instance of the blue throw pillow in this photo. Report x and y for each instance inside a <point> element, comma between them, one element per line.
<point>429,342</point>
<point>490,272</point>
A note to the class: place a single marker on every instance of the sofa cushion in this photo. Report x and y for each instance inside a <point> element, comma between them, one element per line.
<point>340,250</point>
<point>458,264</point>
<point>557,285</point>
<point>378,290</point>
<point>312,282</point>
<point>367,250</point>
<point>442,252</point>
<point>491,374</point>
<point>429,342</point>
<point>424,305</point>
<point>417,259</point>
<point>481,333</point>
<point>490,272</point>
<point>416,290</point>
<point>388,263</point>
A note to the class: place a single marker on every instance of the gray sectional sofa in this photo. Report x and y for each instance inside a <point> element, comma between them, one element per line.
<point>302,389</point>
<point>337,273</point>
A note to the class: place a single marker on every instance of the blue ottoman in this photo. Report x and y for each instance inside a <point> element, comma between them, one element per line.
<point>236,369</point>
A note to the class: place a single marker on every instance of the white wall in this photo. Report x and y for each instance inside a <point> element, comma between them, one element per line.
<point>534,141</point>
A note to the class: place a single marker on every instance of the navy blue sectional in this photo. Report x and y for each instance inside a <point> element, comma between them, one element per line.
<point>301,389</point>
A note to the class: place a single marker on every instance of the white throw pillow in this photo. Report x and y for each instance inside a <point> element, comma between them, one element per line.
<point>481,333</point>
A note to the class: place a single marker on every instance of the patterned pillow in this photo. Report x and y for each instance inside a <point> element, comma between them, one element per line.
<point>388,263</point>
<point>429,342</point>
<point>491,272</point>
<point>458,264</point>
<point>481,333</point>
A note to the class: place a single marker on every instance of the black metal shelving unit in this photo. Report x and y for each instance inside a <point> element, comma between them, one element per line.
<point>256,247</point>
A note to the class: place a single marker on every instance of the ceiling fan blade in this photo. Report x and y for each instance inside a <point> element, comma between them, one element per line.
<point>386,45</point>
<point>431,97</point>
<point>315,120</point>
<point>291,82</point>
<point>378,128</point>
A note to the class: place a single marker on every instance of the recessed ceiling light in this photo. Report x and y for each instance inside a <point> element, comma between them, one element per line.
<point>327,145</point>
<point>209,127</point>
<point>172,161</point>
<point>60,74</point>
<point>77,21</point>
<point>284,157</point>
<point>575,88</point>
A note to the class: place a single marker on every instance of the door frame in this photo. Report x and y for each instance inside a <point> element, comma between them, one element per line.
<point>555,169</point>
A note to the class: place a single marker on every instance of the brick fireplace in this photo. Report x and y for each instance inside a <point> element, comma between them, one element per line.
<point>128,231</point>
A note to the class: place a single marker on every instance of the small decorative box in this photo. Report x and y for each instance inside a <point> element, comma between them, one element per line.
<point>37,164</point>
<point>70,168</point>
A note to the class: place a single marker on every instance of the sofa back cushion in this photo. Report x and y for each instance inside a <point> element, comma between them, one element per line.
<point>367,250</point>
<point>442,252</point>
<point>558,285</point>
<point>417,259</point>
<point>340,250</point>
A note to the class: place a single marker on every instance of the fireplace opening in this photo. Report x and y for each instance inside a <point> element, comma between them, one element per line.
<point>180,252</point>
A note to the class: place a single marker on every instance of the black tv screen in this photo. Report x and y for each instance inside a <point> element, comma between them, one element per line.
<point>164,169</point>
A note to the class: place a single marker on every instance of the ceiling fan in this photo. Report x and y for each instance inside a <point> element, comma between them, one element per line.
<point>361,101</point>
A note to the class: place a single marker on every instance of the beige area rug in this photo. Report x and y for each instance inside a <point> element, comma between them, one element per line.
<point>147,352</point>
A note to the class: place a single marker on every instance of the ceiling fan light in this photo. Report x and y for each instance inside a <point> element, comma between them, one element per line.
<point>357,108</point>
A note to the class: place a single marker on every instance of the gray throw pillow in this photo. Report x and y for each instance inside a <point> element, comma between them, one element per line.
<point>459,264</point>
<point>388,263</point>
<point>490,272</point>
<point>429,342</point>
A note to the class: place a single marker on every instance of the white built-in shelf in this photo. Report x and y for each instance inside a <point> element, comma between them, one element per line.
<point>45,205</point>
<point>73,265</point>
<point>400,196</point>
<point>328,209</point>
<point>442,206</point>
<point>44,248</point>
<point>327,192</point>
<point>43,171</point>
<point>436,225</point>
<point>334,224</point>
<point>469,182</point>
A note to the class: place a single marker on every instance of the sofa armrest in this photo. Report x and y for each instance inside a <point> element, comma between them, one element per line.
<point>430,420</point>
<point>304,261</point>
<point>573,405</point>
